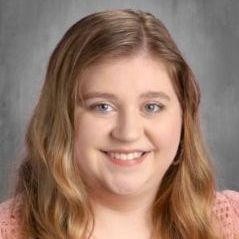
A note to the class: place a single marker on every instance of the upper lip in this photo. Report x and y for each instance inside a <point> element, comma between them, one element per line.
<point>125,151</point>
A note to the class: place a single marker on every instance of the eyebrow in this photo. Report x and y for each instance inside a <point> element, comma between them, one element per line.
<point>146,95</point>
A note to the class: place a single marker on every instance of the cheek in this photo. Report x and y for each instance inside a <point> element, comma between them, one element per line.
<point>88,130</point>
<point>168,135</point>
<point>84,140</point>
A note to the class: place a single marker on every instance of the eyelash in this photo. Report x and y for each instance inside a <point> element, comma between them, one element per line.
<point>160,106</point>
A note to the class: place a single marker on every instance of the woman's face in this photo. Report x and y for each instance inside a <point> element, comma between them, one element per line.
<point>129,106</point>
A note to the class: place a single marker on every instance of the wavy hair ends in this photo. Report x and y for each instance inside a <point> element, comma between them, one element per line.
<point>55,202</point>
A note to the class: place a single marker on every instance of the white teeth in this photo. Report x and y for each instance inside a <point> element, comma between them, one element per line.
<point>122,156</point>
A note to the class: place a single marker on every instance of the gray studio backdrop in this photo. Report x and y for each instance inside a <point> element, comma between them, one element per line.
<point>207,32</point>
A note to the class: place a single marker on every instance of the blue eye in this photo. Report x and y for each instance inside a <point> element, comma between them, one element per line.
<point>153,108</point>
<point>101,107</point>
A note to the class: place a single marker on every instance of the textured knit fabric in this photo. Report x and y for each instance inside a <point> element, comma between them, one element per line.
<point>226,210</point>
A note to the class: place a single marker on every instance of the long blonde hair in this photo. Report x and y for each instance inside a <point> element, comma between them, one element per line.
<point>55,202</point>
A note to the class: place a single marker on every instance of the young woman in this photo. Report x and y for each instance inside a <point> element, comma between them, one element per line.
<point>114,148</point>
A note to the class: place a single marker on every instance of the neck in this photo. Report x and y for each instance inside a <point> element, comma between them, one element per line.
<point>115,214</point>
<point>121,204</point>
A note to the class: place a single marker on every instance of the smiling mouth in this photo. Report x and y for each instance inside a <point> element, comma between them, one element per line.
<point>126,160</point>
<point>125,156</point>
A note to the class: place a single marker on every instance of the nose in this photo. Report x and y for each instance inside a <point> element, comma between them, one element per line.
<point>129,126</point>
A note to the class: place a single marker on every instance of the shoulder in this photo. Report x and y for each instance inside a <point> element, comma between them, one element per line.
<point>10,219</point>
<point>226,210</point>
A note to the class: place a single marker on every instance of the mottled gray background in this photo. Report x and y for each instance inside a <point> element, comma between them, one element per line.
<point>207,32</point>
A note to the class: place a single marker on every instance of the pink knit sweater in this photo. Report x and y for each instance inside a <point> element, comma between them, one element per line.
<point>226,210</point>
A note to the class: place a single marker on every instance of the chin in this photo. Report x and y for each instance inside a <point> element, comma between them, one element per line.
<point>123,188</point>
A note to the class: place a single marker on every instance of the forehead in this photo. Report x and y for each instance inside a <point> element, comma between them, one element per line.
<point>127,72</point>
